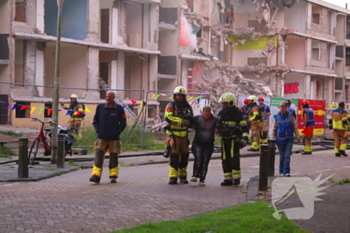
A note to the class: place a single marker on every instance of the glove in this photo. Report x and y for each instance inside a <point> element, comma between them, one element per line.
<point>243,142</point>
<point>186,122</point>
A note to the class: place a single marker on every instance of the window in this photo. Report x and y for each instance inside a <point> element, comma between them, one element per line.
<point>316,18</point>
<point>20,11</point>
<point>151,113</point>
<point>315,44</point>
<point>254,61</point>
<point>347,57</point>
<point>48,110</point>
<point>23,109</point>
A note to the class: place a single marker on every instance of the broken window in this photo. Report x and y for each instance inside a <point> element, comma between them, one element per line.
<point>105,25</point>
<point>20,51</point>
<point>347,59</point>
<point>20,14</point>
<point>22,109</point>
<point>315,45</point>
<point>316,14</point>
<point>134,24</point>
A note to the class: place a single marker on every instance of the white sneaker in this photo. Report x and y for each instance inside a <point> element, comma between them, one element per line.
<point>201,183</point>
<point>288,175</point>
<point>193,179</point>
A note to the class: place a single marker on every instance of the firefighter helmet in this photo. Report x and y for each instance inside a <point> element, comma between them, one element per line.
<point>229,98</point>
<point>252,99</point>
<point>73,96</point>
<point>180,90</point>
<point>288,101</point>
<point>246,101</point>
<point>261,98</point>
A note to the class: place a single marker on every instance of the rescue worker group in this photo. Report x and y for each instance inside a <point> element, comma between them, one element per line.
<point>232,125</point>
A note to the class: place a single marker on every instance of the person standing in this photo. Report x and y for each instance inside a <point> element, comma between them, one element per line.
<point>109,122</point>
<point>265,114</point>
<point>283,129</point>
<point>233,129</point>
<point>77,114</point>
<point>244,109</point>
<point>179,115</point>
<point>203,143</point>
<point>289,109</point>
<point>340,125</point>
<point>254,120</point>
<point>309,124</point>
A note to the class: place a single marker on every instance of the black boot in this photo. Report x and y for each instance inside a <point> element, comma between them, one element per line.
<point>183,180</point>
<point>337,155</point>
<point>306,153</point>
<point>342,152</point>
<point>95,179</point>
<point>236,181</point>
<point>173,180</point>
<point>226,183</point>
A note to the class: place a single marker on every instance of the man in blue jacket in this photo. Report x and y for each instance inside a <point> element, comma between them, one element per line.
<point>109,122</point>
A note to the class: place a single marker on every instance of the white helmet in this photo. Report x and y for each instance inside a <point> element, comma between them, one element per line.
<point>180,90</point>
<point>253,99</point>
<point>229,98</point>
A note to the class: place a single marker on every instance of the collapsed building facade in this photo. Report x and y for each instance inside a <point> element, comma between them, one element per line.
<point>292,49</point>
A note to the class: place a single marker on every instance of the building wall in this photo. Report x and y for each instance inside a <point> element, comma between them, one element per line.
<point>296,16</point>
<point>73,72</point>
<point>295,52</point>
<point>294,85</point>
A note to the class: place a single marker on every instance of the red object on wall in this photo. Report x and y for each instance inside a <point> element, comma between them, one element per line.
<point>291,88</point>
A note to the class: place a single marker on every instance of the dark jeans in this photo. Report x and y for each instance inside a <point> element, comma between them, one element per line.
<point>285,151</point>
<point>202,154</point>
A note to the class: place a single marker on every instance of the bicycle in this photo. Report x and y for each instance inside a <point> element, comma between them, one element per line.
<point>42,144</point>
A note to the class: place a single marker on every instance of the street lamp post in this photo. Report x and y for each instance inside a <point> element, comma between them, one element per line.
<point>56,85</point>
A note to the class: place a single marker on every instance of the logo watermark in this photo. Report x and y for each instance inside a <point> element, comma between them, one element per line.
<point>306,189</point>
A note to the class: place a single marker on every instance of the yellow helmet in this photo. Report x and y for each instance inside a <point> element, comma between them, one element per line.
<point>180,90</point>
<point>73,96</point>
<point>253,99</point>
<point>229,98</point>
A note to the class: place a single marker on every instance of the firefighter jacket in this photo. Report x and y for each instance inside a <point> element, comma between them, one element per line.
<point>284,128</point>
<point>205,128</point>
<point>109,122</point>
<point>176,114</point>
<point>253,113</point>
<point>232,124</point>
<point>310,117</point>
<point>78,111</point>
<point>339,119</point>
<point>244,110</point>
<point>264,109</point>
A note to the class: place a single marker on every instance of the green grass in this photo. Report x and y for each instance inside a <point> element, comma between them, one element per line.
<point>6,152</point>
<point>344,181</point>
<point>11,133</point>
<point>250,217</point>
<point>130,142</point>
<point>72,163</point>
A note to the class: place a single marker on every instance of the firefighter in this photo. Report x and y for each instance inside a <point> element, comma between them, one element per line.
<point>309,124</point>
<point>179,115</point>
<point>244,109</point>
<point>265,114</point>
<point>109,122</point>
<point>233,129</point>
<point>254,120</point>
<point>340,124</point>
<point>77,114</point>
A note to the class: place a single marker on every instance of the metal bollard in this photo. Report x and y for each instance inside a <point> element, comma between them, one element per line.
<point>263,167</point>
<point>23,158</point>
<point>272,153</point>
<point>60,150</point>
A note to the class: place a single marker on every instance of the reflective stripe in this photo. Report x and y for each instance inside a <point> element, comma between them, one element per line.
<point>172,172</point>
<point>96,171</point>
<point>228,176</point>
<point>236,174</point>
<point>114,171</point>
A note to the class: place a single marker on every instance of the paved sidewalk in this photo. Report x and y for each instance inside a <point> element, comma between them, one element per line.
<point>70,203</point>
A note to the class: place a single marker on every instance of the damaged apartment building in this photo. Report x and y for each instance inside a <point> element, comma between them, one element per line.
<point>281,48</point>
<point>105,44</point>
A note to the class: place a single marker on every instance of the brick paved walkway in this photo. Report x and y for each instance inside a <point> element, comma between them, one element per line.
<point>70,203</point>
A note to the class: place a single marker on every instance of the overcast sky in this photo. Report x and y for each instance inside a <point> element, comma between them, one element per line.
<point>339,2</point>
